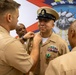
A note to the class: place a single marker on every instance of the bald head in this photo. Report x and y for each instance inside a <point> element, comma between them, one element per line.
<point>73,25</point>
<point>72,34</point>
<point>21,29</point>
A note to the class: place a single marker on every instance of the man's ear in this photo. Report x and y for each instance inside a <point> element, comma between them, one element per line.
<point>53,26</point>
<point>9,17</point>
<point>72,33</point>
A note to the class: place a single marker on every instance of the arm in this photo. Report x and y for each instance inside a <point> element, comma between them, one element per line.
<point>26,36</point>
<point>53,68</point>
<point>17,56</point>
<point>64,48</point>
<point>35,49</point>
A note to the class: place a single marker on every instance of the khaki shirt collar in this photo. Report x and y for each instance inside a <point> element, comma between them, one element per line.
<point>3,30</point>
<point>52,37</point>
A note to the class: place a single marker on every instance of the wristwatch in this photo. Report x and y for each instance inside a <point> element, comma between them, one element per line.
<point>23,38</point>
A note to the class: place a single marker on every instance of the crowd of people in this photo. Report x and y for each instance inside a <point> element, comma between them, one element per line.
<point>41,53</point>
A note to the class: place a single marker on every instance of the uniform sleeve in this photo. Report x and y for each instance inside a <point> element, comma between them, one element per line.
<point>63,48</point>
<point>17,56</point>
<point>53,68</point>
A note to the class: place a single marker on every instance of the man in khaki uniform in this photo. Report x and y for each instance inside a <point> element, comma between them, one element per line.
<point>14,59</point>
<point>21,31</point>
<point>65,64</point>
<point>52,44</point>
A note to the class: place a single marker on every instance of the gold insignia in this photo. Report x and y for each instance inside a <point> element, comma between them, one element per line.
<point>42,12</point>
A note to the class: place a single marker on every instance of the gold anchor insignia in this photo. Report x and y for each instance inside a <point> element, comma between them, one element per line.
<point>42,12</point>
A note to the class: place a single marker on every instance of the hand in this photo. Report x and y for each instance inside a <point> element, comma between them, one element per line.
<point>28,35</point>
<point>37,38</point>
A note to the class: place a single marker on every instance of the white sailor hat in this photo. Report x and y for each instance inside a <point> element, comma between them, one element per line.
<point>47,12</point>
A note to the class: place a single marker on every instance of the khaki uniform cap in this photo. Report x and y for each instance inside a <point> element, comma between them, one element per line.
<point>49,10</point>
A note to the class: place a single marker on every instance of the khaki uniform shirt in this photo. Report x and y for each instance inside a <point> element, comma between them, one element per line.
<point>25,43</point>
<point>63,65</point>
<point>52,48</point>
<point>14,59</point>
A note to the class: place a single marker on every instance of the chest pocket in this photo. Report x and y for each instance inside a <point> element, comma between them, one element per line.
<point>51,53</point>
